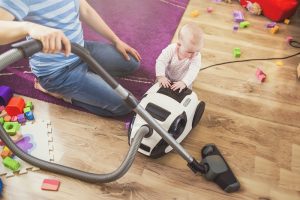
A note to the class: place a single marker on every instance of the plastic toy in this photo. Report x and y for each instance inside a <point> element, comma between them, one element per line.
<point>29,104</point>
<point>279,63</point>
<point>287,21</point>
<point>1,186</point>
<point>29,115</point>
<point>2,108</point>
<point>5,95</point>
<point>11,127</point>
<point>7,118</point>
<point>235,27</point>
<point>14,119</point>
<point>244,24</point>
<point>26,109</point>
<point>271,24</point>
<point>288,39</point>
<point>15,106</point>
<point>6,152</point>
<point>50,184</point>
<point>176,112</point>
<point>274,30</point>
<point>238,16</point>
<point>21,118</point>
<point>195,13</point>
<point>276,10</point>
<point>209,9</point>
<point>1,120</point>
<point>260,75</point>
<point>11,164</point>
<point>237,52</point>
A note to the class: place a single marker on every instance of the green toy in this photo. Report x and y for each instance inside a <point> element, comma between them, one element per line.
<point>11,164</point>
<point>244,24</point>
<point>29,105</point>
<point>26,109</point>
<point>237,52</point>
<point>11,127</point>
<point>1,120</point>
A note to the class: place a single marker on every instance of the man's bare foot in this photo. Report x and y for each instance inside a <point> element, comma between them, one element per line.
<point>38,86</point>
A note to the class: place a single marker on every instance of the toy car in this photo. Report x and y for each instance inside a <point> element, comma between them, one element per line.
<point>176,112</point>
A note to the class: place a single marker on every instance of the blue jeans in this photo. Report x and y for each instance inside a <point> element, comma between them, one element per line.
<point>77,84</point>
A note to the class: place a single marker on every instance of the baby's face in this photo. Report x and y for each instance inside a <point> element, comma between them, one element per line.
<point>188,50</point>
<point>189,46</point>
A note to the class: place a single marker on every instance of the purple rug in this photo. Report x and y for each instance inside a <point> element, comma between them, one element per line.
<point>147,25</point>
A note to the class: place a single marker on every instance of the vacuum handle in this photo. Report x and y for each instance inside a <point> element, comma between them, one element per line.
<point>29,47</point>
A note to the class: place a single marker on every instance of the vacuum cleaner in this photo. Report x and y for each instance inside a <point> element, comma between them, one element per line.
<point>212,166</point>
<point>177,112</point>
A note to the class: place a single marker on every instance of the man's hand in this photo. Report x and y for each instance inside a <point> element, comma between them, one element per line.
<point>164,81</point>
<point>53,40</point>
<point>178,85</point>
<point>124,49</point>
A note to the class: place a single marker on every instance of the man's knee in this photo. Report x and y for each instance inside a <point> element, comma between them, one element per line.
<point>133,65</point>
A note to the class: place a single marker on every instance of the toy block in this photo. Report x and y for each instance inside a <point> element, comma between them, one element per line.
<point>29,104</point>
<point>279,63</point>
<point>244,24</point>
<point>6,152</point>
<point>6,94</point>
<point>287,21</point>
<point>11,127</point>
<point>3,113</point>
<point>298,71</point>
<point>209,9</point>
<point>274,30</point>
<point>15,106</point>
<point>29,115</point>
<point>50,184</point>
<point>14,119</point>
<point>11,164</point>
<point>271,24</point>
<point>235,27</point>
<point>195,13</point>
<point>2,108</point>
<point>238,16</point>
<point>1,187</point>
<point>1,120</point>
<point>288,39</point>
<point>7,118</point>
<point>21,118</point>
<point>17,137</point>
<point>261,76</point>
<point>26,109</point>
<point>237,52</point>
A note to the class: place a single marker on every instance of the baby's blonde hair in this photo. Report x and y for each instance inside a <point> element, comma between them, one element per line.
<point>192,32</point>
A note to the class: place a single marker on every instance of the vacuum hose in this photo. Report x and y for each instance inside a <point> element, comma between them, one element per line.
<point>27,49</point>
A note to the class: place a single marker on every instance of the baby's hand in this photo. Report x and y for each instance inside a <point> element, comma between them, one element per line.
<point>178,85</point>
<point>164,81</point>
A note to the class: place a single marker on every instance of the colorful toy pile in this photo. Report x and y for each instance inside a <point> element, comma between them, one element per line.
<point>14,112</point>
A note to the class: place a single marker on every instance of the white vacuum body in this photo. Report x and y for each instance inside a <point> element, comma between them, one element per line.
<point>176,112</point>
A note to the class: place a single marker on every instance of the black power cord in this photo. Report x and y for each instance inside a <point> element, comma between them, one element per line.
<point>292,43</point>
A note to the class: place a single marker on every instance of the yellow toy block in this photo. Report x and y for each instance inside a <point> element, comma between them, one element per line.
<point>274,30</point>
<point>287,21</point>
<point>279,63</point>
<point>195,13</point>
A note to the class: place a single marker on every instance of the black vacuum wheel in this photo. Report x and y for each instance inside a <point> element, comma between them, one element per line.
<point>198,113</point>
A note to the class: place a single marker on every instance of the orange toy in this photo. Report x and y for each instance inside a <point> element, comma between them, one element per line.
<point>15,106</point>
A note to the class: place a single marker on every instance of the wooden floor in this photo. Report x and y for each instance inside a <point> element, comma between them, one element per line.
<point>256,126</point>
